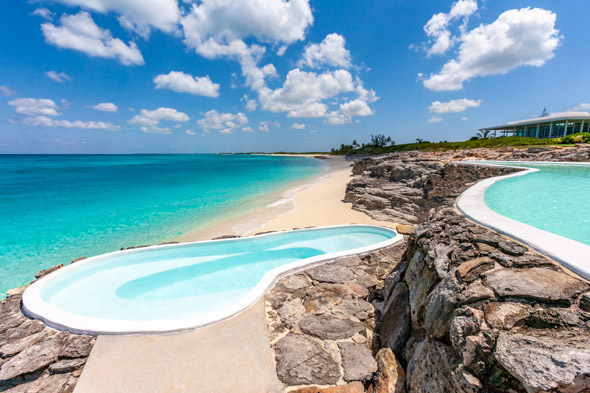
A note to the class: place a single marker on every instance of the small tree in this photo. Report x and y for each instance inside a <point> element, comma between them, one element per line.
<point>419,140</point>
<point>483,134</point>
<point>381,140</point>
<point>544,113</point>
<point>355,144</point>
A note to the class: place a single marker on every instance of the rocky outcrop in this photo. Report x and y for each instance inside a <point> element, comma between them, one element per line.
<point>466,309</point>
<point>35,358</point>
<point>322,324</point>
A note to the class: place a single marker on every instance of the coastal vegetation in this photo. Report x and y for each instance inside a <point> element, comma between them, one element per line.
<point>479,141</point>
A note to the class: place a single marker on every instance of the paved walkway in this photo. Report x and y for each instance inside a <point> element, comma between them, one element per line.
<point>233,356</point>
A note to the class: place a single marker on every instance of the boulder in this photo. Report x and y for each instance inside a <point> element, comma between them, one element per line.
<point>556,361</point>
<point>46,384</point>
<point>291,312</point>
<point>301,361</point>
<point>434,369</point>
<point>505,316</point>
<point>390,376</point>
<point>538,284</point>
<point>330,273</point>
<point>357,361</point>
<point>328,327</point>
<point>396,321</point>
<point>33,358</point>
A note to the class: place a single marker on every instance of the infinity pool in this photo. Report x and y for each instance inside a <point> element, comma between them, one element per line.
<point>175,287</point>
<point>547,206</point>
<point>556,199</point>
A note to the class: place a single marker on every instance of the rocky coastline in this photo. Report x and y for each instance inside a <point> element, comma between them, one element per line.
<point>456,307</point>
<point>464,309</point>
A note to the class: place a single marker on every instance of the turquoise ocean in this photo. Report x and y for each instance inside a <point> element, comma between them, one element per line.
<point>54,208</point>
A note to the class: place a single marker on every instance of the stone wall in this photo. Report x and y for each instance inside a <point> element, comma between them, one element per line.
<point>322,323</point>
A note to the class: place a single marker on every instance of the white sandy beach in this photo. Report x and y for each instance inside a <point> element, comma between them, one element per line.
<point>318,204</point>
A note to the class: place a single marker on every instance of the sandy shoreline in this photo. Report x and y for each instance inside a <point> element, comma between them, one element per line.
<point>316,204</point>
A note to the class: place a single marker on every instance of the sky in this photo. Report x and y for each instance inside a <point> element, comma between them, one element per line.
<point>209,76</point>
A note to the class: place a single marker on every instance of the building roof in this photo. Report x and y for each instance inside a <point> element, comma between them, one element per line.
<point>555,117</point>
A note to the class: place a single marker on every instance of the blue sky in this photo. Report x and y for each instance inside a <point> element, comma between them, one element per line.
<point>167,76</point>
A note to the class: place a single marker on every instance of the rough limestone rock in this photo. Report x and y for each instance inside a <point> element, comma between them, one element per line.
<point>32,359</point>
<point>301,361</point>
<point>330,327</point>
<point>434,369</point>
<point>353,387</point>
<point>539,284</point>
<point>505,316</point>
<point>51,384</point>
<point>357,361</point>
<point>395,322</point>
<point>547,361</point>
<point>330,273</point>
<point>295,284</point>
<point>291,312</point>
<point>66,366</point>
<point>390,377</point>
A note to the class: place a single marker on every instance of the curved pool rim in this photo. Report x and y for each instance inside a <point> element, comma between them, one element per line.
<point>471,203</point>
<point>35,307</point>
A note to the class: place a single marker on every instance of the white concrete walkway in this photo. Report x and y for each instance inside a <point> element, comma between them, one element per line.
<point>233,356</point>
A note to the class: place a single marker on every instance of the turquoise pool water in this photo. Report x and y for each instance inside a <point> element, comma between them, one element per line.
<point>184,281</point>
<point>54,208</point>
<point>555,199</point>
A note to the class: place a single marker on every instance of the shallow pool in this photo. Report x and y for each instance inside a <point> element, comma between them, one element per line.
<point>555,199</point>
<point>175,287</point>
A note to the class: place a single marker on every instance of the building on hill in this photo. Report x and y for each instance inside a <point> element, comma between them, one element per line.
<point>553,126</point>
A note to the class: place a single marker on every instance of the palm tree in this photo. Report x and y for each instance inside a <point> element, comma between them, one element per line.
<point>483,134</point>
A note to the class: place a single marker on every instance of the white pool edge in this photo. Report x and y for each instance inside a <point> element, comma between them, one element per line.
<point>471,203</point>
<point>35,307</point>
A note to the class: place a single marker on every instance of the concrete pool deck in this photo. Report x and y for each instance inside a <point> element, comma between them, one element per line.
<point>232,356</point>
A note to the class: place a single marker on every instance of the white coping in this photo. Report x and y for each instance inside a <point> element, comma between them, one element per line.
<point>35,307</point>
<point>570,253</point>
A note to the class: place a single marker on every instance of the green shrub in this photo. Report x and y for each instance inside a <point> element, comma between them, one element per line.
<point>580,137</point>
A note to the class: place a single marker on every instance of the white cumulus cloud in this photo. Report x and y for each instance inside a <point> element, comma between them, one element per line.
<point>105,107</point>
<point>35,106</point>
<point>6,91</point>
<point>44,121</point>
<point>138,15</point>
<point>435,119</point>
<point>248,129</point>
<point>331,52</point>
<point>58,76</point>
<point>225,123</point>
<point>453,106</point>
<point>304,94</point>
<point>264,126</point>
<point>298,126</point>
<point>153,118</point>
<point>437,27</point>
<point>185,83</point>
<point>227,20</point>
<point>519,37</point>
<point>584,106</point>
<point>218,28</point>
<point>79,32</point>
<point>44,13</point>
<point>156,130</point>
<point>190,132</point>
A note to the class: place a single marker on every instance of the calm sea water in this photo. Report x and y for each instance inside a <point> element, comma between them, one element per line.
<point>54,208</point>
<point>555,199</point>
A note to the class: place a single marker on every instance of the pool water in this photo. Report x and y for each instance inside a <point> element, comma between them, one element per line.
<point>555,199</point>
<point>181,282</point>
